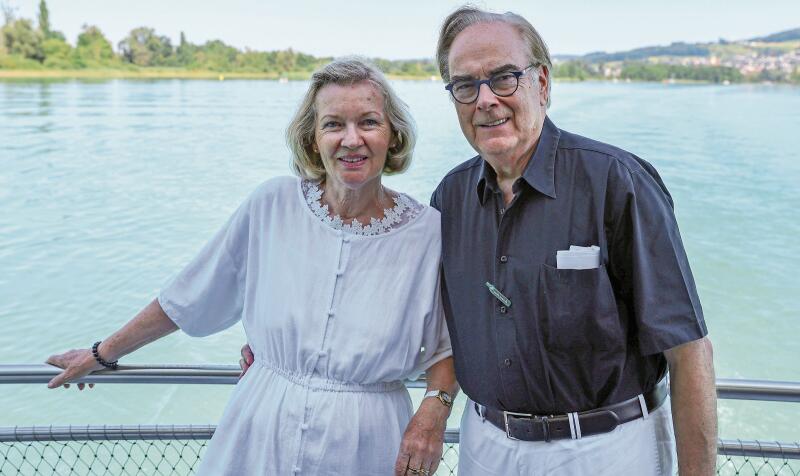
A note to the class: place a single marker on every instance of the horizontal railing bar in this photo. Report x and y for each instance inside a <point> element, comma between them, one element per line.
<point>765,390</point>
<point>183,374</point>
<point>739,389</point>
<point>106,432</point>
<point>763,449</point>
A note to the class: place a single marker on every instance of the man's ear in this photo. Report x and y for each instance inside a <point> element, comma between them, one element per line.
<point>544,81</point>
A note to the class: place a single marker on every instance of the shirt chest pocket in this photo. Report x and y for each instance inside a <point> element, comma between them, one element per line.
<point>577,310</point>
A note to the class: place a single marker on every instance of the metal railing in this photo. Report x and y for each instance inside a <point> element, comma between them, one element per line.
<point>177,449</point>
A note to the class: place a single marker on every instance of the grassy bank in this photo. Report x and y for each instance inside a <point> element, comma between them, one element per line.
<point>159,73</point>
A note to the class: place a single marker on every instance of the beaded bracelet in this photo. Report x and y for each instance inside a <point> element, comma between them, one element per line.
<point>108,365</point>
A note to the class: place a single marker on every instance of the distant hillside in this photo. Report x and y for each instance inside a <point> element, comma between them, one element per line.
<point>675,49</point>
<point>679,49</point>
<point>771,58</point>
<point>788,35</point>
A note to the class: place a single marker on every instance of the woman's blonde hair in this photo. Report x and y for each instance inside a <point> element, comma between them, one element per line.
<point>347,71</point>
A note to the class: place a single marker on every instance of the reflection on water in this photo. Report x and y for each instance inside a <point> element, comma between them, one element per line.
<point>108,187</point>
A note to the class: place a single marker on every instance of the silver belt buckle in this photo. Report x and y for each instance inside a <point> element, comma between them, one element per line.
<point>544,420</point>
<point>505,419</point>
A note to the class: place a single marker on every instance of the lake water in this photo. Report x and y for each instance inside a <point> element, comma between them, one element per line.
<point>107,188</point>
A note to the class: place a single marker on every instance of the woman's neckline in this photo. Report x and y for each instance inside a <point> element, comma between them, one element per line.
<point>405,209</point>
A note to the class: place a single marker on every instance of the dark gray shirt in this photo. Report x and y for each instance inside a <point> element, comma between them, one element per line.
<point>571,340</point>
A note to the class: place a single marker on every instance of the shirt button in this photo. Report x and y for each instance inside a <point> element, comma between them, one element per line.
<point>323,354</point>
<point>502,309</point>
<point>503,259</point>
<point>502,210</point>
<point>304,427</point>
<point>296,469</point>
<point>507,362</point>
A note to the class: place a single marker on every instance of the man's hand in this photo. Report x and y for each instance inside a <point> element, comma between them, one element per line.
<point>247,359</point>
<point>421,447</point>
<point>694,406</point>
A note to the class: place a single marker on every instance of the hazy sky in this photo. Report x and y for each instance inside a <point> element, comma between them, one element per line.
<point>408,28</point>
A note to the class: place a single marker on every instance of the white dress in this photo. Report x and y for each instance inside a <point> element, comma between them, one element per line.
<point>336,321</point>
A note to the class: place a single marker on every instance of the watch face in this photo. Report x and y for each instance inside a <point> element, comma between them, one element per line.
<point>446,397</point>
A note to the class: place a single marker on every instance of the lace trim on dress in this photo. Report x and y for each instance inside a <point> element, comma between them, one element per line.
<point>404,210</point>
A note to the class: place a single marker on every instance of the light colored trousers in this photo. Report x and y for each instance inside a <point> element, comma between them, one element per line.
<point>641,447</point>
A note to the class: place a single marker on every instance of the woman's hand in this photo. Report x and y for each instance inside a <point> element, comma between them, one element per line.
<point>76,363</point>
<point>421,448</point>
<point>247,359</point>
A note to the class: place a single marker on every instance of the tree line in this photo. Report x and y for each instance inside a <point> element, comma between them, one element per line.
<point>641,71</point>
<point>25,45</point>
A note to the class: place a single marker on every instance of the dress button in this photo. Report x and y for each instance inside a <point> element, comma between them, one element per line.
<point>323,354</point>
<point>503,259</point>
<point>296,469</point>
<point>304,427</point>
<point>502,309</point>
<point>507,362</point>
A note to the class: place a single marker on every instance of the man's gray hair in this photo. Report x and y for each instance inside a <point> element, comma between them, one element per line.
<point>469,15</point>
<point>347,71</point>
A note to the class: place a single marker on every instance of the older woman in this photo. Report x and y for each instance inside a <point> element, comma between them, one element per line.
<point>335,278</point>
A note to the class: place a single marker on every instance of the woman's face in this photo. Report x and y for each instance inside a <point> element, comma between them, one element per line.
<point>352,134</point>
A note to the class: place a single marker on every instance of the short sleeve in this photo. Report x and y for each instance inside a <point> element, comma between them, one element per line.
<point>436,340</point>
<point>436,198</point>
<point>648,263</point>
<point>207,296</point>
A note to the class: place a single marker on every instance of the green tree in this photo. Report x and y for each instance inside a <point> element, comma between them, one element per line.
<point>21,39</point>
<point>184,53</point>
<point>93,49</point>
<point>44,19</point>
<point>216,56</point>
<point>143,47</point>
<point>57,53</point>
<point>574,70</point>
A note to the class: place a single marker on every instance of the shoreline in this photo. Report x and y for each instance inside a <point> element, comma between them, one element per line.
<point>173,74</point>
<point>165,74</point>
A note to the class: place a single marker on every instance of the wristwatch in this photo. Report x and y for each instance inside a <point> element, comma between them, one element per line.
<point>443,397</point>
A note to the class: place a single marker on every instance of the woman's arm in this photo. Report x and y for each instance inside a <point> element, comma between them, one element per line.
<point>421,447</point>
<point>150,324</point>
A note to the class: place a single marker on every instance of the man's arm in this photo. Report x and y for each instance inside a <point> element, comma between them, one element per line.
<point>694,406</point>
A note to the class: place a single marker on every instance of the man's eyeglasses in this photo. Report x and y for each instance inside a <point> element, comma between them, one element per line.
<point>502,84</point>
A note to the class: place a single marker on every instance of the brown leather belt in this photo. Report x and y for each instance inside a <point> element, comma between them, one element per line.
<point>528,427</point>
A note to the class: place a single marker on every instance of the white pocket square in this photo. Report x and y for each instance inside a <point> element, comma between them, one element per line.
<point>578,257</point>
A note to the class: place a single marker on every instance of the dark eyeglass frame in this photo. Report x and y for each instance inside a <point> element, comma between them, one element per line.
<point>478,82</point>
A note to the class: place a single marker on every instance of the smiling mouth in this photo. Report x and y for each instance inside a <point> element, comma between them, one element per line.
<point>353,159</point>
<point>495,123</point>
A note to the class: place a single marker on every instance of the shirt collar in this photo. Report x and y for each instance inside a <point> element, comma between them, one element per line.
<point>540,171</point>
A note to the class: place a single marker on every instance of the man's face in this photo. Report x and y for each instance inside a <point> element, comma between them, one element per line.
<point>504,130</point>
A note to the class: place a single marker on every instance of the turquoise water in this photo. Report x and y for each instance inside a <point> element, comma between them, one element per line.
<point>107,188</point>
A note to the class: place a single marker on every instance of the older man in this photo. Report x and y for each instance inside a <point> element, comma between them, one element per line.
<point>567,290</point>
